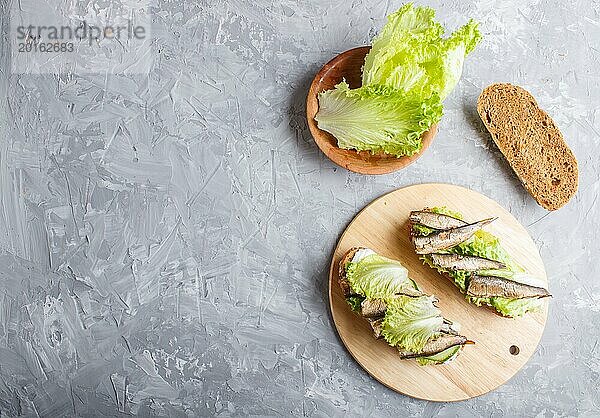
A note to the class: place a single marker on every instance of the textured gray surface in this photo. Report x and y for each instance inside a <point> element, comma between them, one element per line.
<point>165,240</point>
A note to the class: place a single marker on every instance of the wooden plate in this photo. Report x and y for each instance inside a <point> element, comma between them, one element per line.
<point>348,66</point>
<point>480,368</point>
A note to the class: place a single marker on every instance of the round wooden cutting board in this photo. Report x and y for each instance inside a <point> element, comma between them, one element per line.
<point>502,345</point>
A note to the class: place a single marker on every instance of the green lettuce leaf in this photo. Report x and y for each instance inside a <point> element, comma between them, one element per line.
<point>418,22</point>
<point>408,72</point>
<point>376,276</point>
<point>483,244</point>
<point>410,54</point>
<point>377,118</point>
<point>516,307</point>
<point>354,302</point>
<point>445,69</point>
<point>410,322</point>
<point>409,36</point>
<point>444,210</point>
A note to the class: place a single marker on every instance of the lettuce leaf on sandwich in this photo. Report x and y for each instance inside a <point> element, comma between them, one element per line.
<point>375,277</point>
<point>409,318</point>
<point>410,322</point>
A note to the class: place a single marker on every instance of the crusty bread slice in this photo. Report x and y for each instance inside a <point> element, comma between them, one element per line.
<point>342,280</point>
<point>375,323</point>
<point>531,142</point>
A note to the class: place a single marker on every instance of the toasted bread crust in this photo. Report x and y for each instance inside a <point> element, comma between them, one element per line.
<point>531,143</point>
<point>347,291</point>
<point>342,280</point>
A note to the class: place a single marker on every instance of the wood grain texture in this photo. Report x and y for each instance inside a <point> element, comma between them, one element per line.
<point>480,368</point>
<point>348,66</point>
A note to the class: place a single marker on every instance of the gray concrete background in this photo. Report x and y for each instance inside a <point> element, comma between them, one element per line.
<point>165,239</point>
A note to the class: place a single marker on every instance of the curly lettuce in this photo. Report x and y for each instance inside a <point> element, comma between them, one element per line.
<point>483,244</point>
<point>377,118</point>
<point>410,54</point>
<point>375,277</point>
<point>355,302</point>
<point>516,307</point>
<point>410,69</point>
<point>411,321</point>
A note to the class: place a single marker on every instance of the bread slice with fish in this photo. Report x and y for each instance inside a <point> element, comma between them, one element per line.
<point>474,261</point>
<point>385,301</point>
